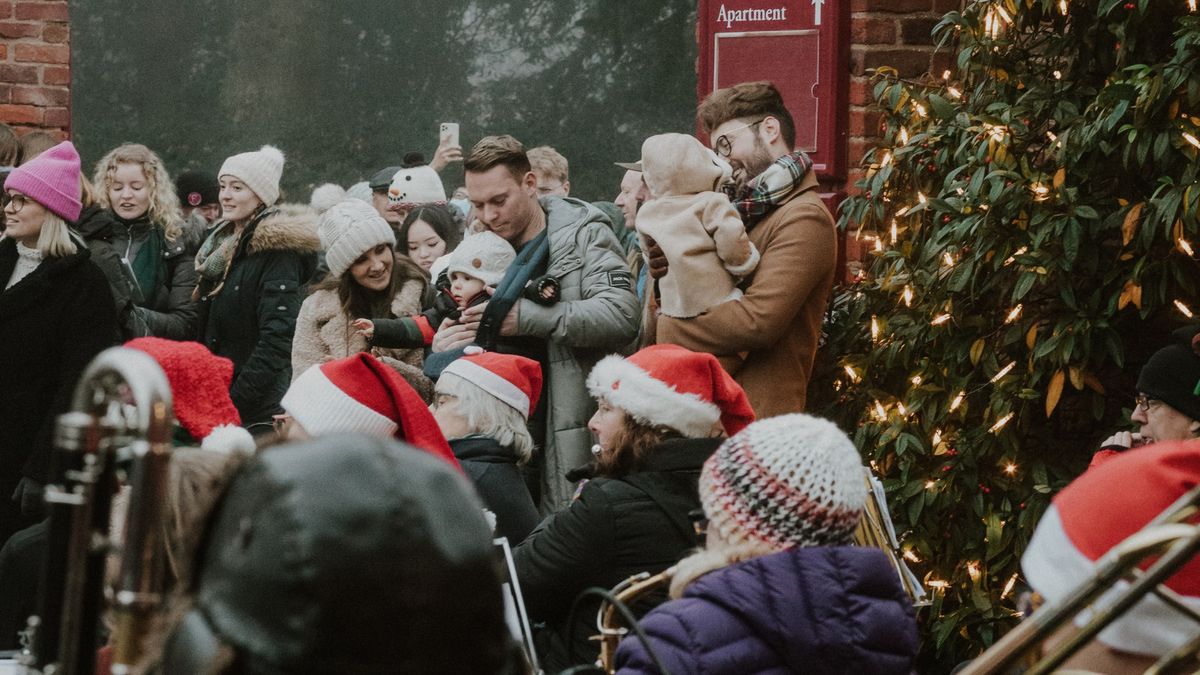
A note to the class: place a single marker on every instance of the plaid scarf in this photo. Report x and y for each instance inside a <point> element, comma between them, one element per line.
<point>758,198</point>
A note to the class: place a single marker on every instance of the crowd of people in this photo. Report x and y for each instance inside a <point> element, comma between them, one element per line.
<point>370,386</point>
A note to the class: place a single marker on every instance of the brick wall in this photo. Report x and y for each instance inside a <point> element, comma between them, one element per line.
<point>894,33</point>
<point>35,66</point>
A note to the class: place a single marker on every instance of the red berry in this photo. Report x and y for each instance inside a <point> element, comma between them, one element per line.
<point>1130,6</point>
<point>946,468</point>
<point>987,491</point>
<point>945,219</point>
<point>952,452</point>
<point>1021,506</point>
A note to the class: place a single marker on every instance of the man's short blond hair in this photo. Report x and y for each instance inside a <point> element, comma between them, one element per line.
<point>549,162</point>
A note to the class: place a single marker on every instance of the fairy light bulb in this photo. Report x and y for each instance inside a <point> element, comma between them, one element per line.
<point>874,329</point>
<point>921,198</point>
<point>907,296</point>
<point>880,411</point>
<point>1185,246</point>
<point>919,108</point>
<point>957,401</point>
<point>954,93</point>
<point>973,570</point>
<point>1003,371</point>
<point>902,136</point>
<point>1010,469</point>
<point>917,380</point>
<point>901,409</point>
<point>937,584</point>
<point>909,555</point>
<point>852,373</point>
<point>1013,314</point>
<point>1191,139</point>
<point>1183,309</point>
<point>1002,422</point>
<point>887,159</point>
<point>1008,587</point>
<point>1062,6</point>
<point>948,258</point>
<point>939,319</point>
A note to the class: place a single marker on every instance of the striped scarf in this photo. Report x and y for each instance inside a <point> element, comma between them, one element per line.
<point>758,198</point>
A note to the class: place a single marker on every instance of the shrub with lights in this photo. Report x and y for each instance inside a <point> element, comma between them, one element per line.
<point>1031,218</point>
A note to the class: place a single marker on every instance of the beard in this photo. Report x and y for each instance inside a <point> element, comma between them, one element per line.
<point>758,162</point>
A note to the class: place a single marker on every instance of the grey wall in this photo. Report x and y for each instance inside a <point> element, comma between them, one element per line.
<point>345,87</point>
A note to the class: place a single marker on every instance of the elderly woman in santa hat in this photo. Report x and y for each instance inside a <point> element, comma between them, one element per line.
<point>662,412</point>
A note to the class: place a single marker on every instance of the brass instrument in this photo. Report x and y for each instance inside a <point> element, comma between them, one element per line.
<point>1168,538</point>
<point>119,431</point>
<point>608,619</point>
<point>875,530</point>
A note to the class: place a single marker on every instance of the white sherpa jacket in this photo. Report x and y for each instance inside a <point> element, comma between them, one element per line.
<point>697,227</point>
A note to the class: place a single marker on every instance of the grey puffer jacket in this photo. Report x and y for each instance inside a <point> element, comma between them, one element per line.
<point>597,315</point>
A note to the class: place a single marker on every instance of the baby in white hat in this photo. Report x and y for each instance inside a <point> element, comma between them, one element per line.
<point>478,264</point>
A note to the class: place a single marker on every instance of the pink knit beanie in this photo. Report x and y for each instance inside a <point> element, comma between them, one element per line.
<point>52,180</point>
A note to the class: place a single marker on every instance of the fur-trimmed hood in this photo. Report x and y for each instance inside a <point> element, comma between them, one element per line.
<point>287,227</point>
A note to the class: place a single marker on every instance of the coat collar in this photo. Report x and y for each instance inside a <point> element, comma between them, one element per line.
<point>681,454</point>
<point>287,228</point>
<point>479,448</point>
<point>39,284</point>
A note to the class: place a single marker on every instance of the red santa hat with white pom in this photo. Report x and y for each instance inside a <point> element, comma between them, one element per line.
<point>667,385</point>
<point>200,393</point>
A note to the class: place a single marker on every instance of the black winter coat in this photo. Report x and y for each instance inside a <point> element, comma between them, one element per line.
<point>170,312</point>
<point>615,529</point>
<point>498,480</point>
<point>252,318</point>
<point>52,323</point>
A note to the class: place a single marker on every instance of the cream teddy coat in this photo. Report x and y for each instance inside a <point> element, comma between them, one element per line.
<point>324,333</point>
<point>697,227</point>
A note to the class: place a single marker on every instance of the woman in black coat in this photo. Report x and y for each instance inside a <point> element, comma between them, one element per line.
<point>56,314</point>
<point>661,413</point>
<point>253,270</point>
<point>144,229</point>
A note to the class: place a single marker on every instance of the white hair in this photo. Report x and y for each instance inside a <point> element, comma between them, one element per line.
<point>488,415</point>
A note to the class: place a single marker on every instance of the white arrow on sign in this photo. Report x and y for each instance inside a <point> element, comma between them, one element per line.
<point>817,11</point>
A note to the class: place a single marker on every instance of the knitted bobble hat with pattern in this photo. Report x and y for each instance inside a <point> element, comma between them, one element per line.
<point>792,480</point>
<point>260,171</point>
<point>349,229</point>
<point>484,256</point>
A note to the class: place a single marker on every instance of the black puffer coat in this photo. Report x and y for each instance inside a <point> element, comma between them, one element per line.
<point>615,528</point>
<point>52,323</point>
<point>169,312</point>
<point>252,318</point>
<point>498,480</point>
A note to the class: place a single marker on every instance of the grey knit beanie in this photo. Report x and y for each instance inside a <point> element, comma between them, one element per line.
<point>349,229</point>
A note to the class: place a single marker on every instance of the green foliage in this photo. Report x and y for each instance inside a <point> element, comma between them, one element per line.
<point>1033,213</point>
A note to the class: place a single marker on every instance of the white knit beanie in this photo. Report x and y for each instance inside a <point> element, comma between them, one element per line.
<point>349,229</point>
<point>260,171</point>
<point>791,480</point>
<point>485,256</point>
<point>416,186</point>
<point>360,191</point>
<point>325,196</point>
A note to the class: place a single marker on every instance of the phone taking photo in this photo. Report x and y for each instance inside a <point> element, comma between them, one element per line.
<point>448,133</point>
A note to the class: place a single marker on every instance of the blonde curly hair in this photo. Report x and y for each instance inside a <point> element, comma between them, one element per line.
<point>164,203</point>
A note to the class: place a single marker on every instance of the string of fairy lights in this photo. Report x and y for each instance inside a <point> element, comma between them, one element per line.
<point>996,20</point>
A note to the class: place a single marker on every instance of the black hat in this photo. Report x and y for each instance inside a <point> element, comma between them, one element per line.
<point>412,159</point>
<point>1172,375</point>
<point>348,554</point>
<point>197,187</point>
<point>382,179</point>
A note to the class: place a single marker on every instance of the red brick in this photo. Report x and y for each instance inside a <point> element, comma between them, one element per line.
<point>18,73</point>
<point>43,53</point>
<point>895,6</point>
<point>915,30</point>
<point>3,52</point>
<point>942,61</point>
<point>56,75</point>
<point>5,93</point>
<point>872,31</point>
<point>44,97</point>
<point>17,29</point>
<point>862,92</point>
<point>907,62</point>
<point>57,33</point>
<point>859,147</point>
<point>20,113</point>
<point>6,9</point>
<point>57,117</point>
<point>864,122</point>
<point>44,11</point>
<point>943,6</point>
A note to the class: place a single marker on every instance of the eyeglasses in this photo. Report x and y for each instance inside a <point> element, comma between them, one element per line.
<point>724,146</point>
<point>16,199</point>
<point>1144,402</point>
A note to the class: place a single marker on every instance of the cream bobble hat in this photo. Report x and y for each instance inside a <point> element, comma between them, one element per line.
<point>349,229</point>
<point>484,256</point>
<point>260,171</point>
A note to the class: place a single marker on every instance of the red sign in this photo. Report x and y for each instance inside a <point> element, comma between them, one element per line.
<point>803,47</point>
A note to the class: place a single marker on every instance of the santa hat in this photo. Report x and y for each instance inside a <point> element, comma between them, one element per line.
<point>514,380</point>
<point>791,480</point>
<point>1097,511</point>
<point>200,391</point>
<point>360,394</point>
<point>416,186</point>
<point>667,385</point>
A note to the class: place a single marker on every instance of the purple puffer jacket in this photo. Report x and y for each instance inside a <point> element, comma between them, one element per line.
<point>811,610</point>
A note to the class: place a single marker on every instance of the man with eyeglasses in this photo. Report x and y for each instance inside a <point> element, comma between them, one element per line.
<point>1168,402</point>
<point>551,169</point>
<point>777,323</point>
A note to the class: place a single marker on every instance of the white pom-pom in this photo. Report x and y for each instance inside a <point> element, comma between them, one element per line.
<point>325,196</point>
<point>491,520</point>
<point>273,153</point>
<point>229,439</point>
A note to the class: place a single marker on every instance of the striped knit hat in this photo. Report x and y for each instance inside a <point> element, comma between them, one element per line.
<point>792,480</point>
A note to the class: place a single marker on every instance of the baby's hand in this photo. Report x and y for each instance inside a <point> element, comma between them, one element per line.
<point>364,327</point>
